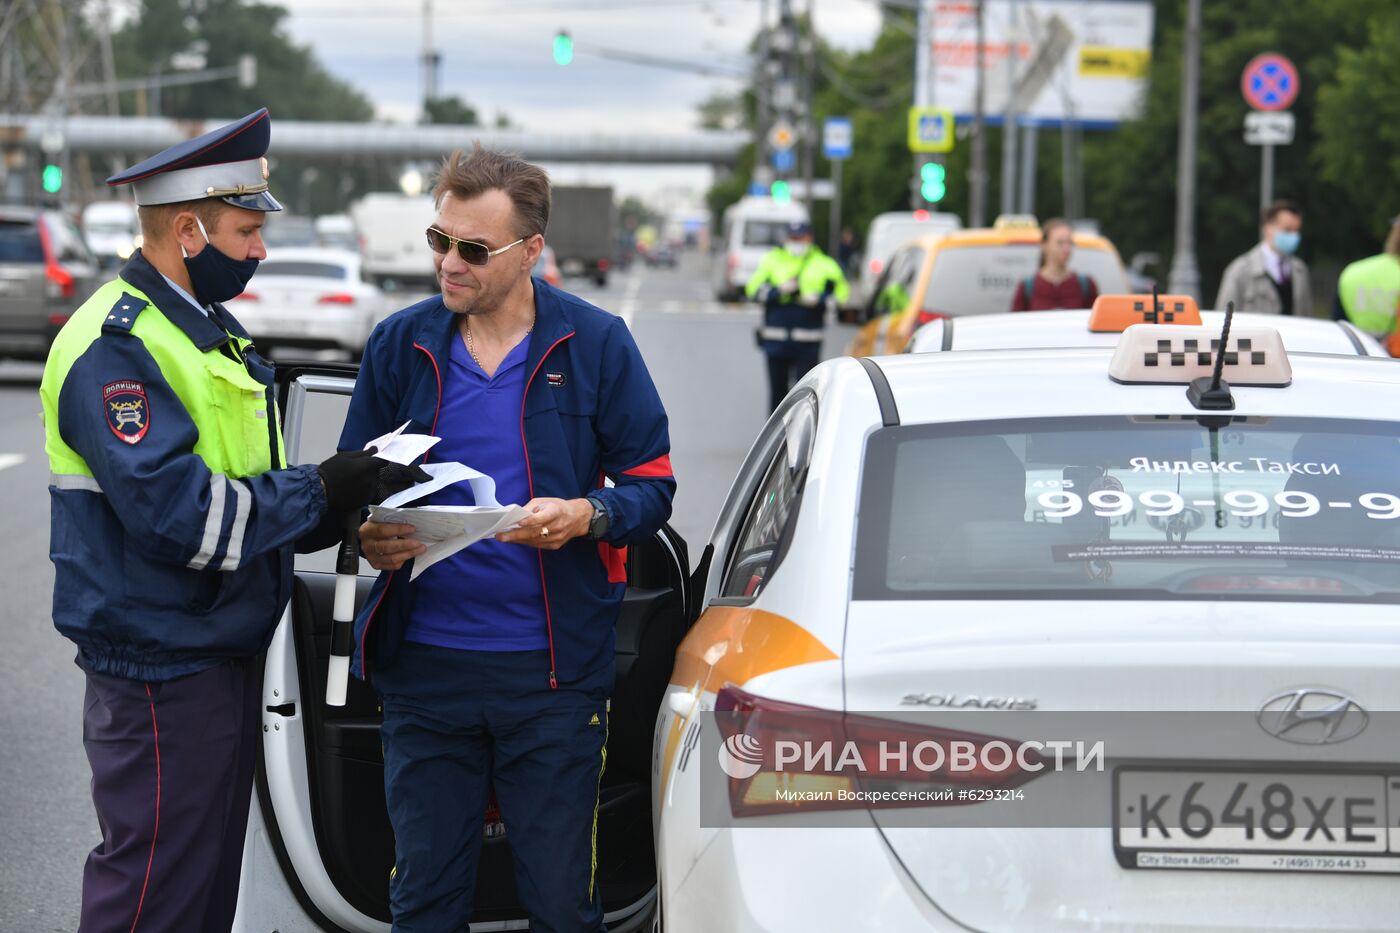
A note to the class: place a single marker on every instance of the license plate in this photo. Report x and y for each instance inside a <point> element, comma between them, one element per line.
<point>1257,820</point>
<point>572,267</point>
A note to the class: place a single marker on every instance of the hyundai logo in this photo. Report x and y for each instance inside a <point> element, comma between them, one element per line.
<point>1312,716</point>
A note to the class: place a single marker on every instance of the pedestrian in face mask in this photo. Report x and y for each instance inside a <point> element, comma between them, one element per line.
<point>1270,278</point>
<point>175,514</point>
<point>796,283</point>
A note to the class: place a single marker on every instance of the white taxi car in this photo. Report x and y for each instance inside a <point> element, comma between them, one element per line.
<point>1077,328</point>
<point>1066,531</point>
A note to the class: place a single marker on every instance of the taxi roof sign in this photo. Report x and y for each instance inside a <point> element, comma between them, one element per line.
<point>1113,314</point>
<point>1016,222</point>
<point>1172,354</point>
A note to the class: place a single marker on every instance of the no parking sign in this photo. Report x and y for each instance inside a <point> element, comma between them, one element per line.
<point>1269,82</point>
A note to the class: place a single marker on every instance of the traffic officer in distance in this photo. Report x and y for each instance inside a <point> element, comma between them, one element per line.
<point>174,514</point>
<point>1369,289</point>
<point>796,282</point>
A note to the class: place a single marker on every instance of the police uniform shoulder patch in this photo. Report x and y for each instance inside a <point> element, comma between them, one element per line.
<point>128,410</point>
<point>122,317</point>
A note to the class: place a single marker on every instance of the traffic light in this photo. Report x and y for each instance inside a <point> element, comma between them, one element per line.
<point>563,48</point>
<point>53,178</point>
<point>781,192</point>
<point>932,187</point>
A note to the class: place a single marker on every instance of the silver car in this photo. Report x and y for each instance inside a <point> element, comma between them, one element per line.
<point>46,271</point>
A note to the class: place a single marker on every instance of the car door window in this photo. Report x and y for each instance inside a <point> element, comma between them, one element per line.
<point>766,528</point>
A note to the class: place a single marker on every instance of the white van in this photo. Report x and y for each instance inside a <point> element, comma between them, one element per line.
<point>112,231</point>
<point>392,230</point>
<point>887,233</point>
<point>752,226</point>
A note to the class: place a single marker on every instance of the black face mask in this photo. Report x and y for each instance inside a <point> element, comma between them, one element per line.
<point>215,276</point>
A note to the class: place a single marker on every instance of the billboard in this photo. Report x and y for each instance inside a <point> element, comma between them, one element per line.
<point>1084,61</point>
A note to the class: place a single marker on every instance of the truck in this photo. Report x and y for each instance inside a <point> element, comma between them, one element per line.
<point>391,229</point>
<point>581,230</point>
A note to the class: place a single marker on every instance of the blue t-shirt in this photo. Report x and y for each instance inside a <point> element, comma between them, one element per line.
<point>488,597</point>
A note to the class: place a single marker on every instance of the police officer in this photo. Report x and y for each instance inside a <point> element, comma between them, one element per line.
<point>1369,289</point>
<point>796,282</point>
<point>174,513</point>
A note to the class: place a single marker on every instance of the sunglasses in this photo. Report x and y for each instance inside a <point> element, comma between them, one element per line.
<point>472,252</point>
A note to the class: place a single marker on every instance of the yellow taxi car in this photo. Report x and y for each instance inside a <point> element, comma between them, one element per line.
<point>966,273</point>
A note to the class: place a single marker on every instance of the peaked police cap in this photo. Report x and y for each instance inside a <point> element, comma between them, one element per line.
<point>226,163</point>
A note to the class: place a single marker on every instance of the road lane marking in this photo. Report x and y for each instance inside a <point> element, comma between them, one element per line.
<point>628,311</point>
<point>9,460</point>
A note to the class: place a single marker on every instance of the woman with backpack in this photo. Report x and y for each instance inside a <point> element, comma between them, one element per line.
<point>1054,286</point>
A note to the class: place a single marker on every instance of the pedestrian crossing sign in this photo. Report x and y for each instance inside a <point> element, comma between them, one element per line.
<point>930,129</point>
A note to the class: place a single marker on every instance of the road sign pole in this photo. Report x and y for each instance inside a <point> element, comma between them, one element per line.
<point>1266,178</point>
<point>1184,278</point>
<point>834,235</point>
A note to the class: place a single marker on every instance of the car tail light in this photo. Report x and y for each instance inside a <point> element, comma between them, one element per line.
<point>926,316</point>
<point>876,267</point>
<point>58,320</point>
<point>733,261</point>
<point>921,215</point>
<point>338,298</point>
<point>60,280</point>
<point>246,296</point>
<point>770,722</point>
<point>603,265</point>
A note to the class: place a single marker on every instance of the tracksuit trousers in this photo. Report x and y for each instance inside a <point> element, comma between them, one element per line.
<point>457,723</point>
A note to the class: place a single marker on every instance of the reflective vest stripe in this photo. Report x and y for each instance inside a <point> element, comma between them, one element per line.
<point>213,522</point>
<point>73,481</point>
<point>242,508</point>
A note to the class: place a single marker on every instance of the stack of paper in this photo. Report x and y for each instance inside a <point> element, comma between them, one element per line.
<point>445,529</point>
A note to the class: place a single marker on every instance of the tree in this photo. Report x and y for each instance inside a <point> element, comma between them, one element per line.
<point>291,83</point>
<point>1358,115</point>
<point>451,110</point>
<point>290,79</point>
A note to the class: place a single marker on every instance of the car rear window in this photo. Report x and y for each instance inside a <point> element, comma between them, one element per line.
<point>889,236</point>
<point>764,232</point>
<point>19,242</point>
<point>982,279</point>
<point>1133,508</point>
<point>315,270</point>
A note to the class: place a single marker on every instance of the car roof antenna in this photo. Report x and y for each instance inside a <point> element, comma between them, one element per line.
<point>1156,316</point>
<point>1211,393</point>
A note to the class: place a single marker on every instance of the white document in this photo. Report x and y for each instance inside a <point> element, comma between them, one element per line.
<point>446,529</point>
<point>444,475</point>
<point>400,448</point>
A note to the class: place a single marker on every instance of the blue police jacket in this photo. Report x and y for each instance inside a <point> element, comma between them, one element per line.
<point>590,410</point>
<point>173,513</point>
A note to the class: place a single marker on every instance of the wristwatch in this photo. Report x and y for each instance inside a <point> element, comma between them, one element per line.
<point>598,524</point>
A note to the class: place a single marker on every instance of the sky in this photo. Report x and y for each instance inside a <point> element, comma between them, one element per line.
<point>497,57</point>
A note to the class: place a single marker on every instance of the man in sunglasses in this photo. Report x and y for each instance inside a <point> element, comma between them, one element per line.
<point>495,665</point>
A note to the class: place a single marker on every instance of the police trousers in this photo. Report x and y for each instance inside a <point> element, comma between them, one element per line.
<point>458,722</point>
<point>172,774</point>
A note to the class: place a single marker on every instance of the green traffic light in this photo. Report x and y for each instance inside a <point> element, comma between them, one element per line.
<point>781,192</point>
<point>53,179</point>
<point>934,187</point>
<point>563,48</point>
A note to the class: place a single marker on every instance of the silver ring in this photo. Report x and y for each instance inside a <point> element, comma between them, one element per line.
<point>544,531</point>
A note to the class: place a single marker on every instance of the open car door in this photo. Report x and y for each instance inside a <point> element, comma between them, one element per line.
<point>320,847</point>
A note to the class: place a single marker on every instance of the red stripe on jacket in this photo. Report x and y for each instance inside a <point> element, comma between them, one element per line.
<point>661,466</point>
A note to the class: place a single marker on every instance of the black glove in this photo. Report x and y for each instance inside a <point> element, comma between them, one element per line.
<point>395,478</point>
<point>351,479</point>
